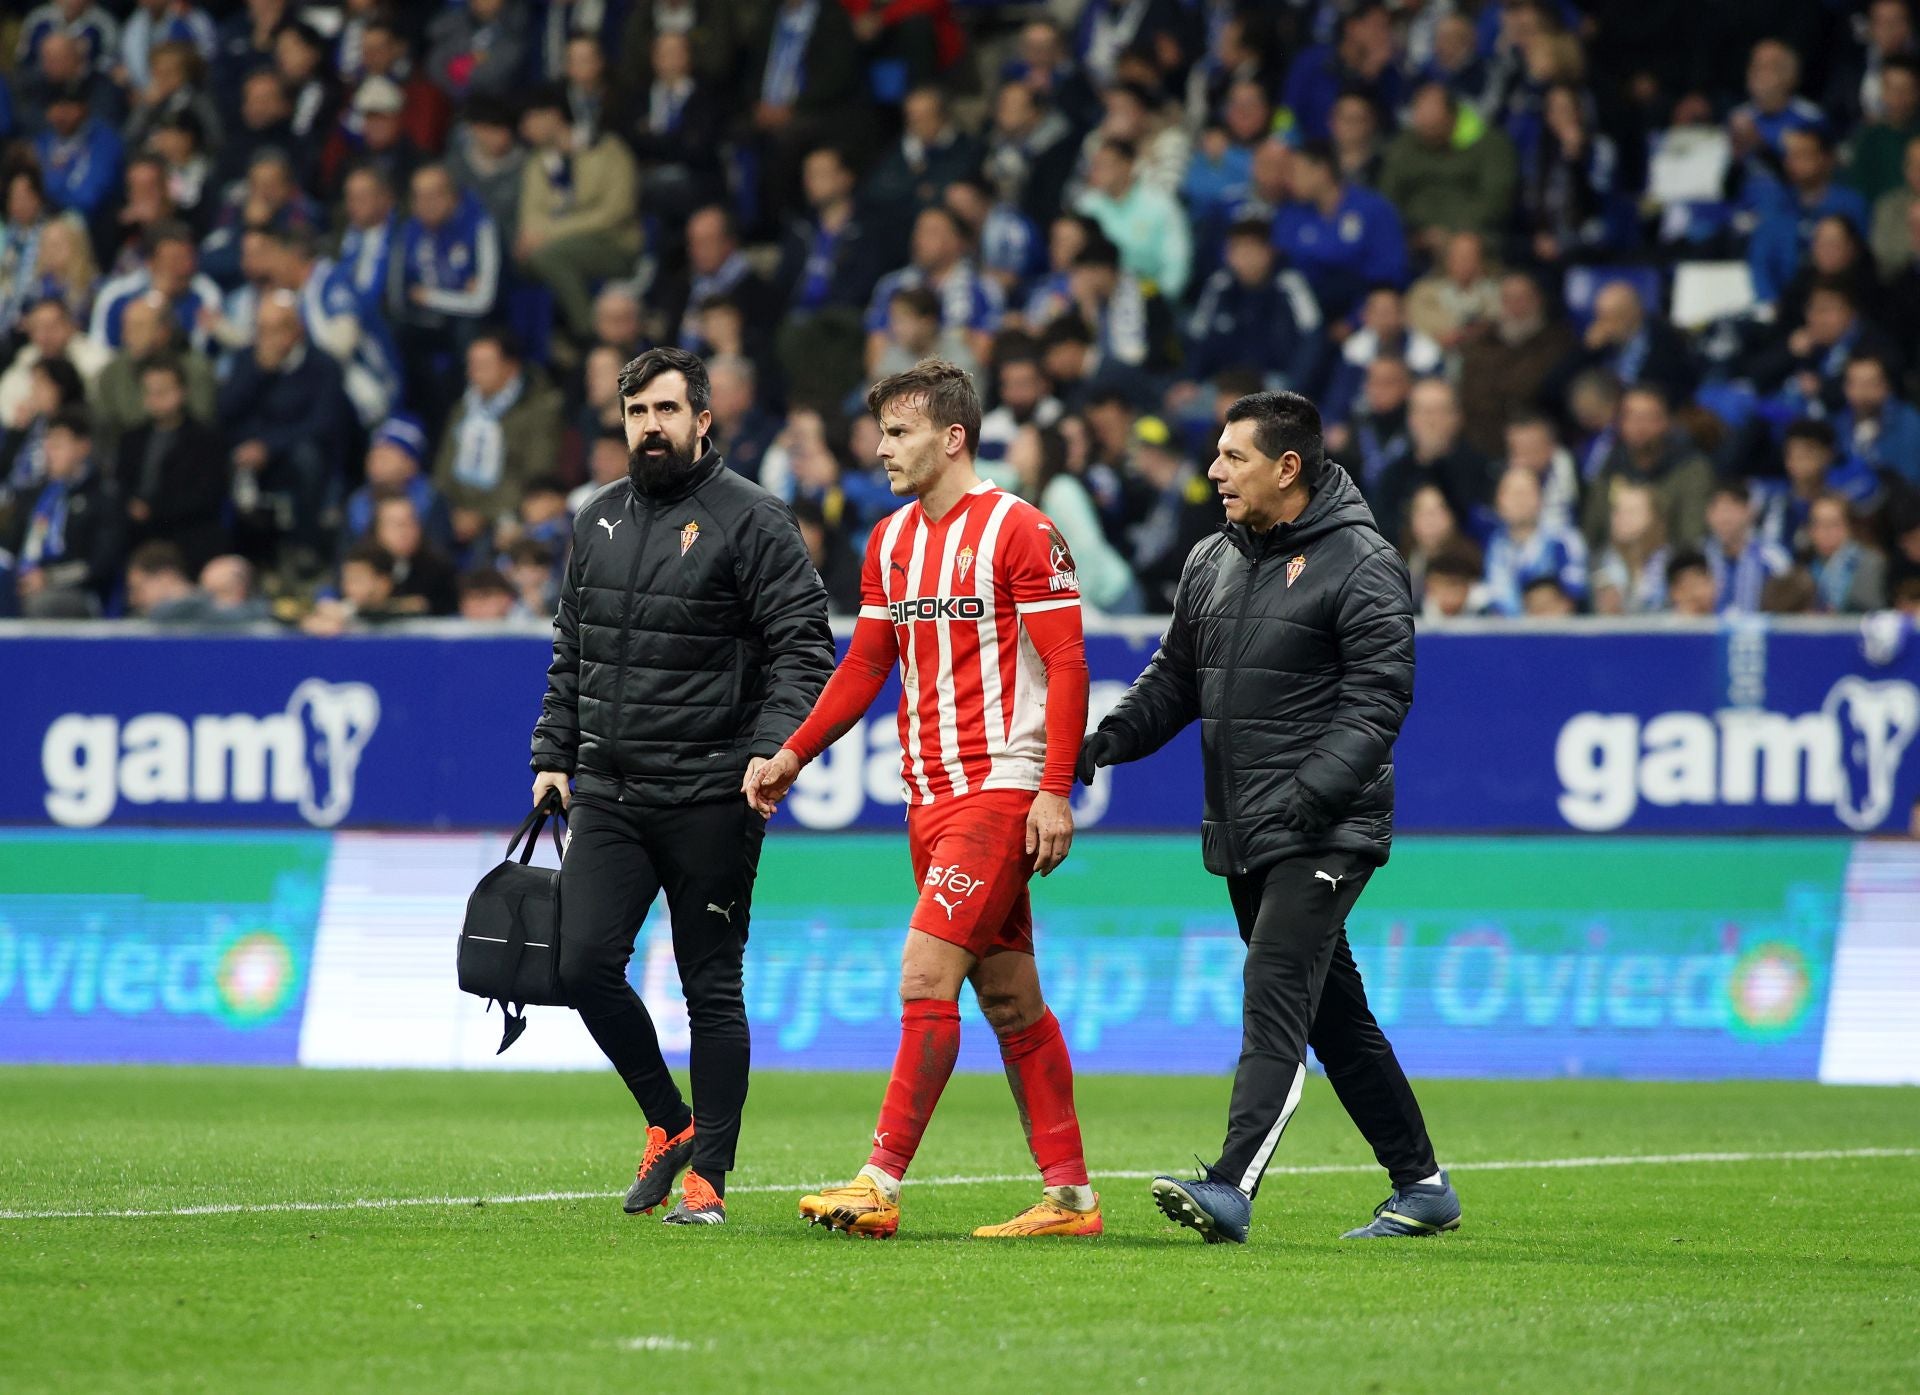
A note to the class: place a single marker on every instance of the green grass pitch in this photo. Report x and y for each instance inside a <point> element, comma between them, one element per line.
<point>1769,1273</point>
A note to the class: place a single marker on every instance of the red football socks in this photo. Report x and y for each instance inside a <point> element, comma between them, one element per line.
<point>1041,1074</point>
<point>929,1045</point>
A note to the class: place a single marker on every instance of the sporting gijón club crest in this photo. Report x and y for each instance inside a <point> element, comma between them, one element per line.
<point>1294,568</point>
<point>689,535</point>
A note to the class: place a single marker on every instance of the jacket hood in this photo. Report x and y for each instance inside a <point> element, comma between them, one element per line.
<point>1336,503</point>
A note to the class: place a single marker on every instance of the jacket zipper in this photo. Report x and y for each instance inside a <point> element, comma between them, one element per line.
<point>626,629</point>
<point>1233,673</point>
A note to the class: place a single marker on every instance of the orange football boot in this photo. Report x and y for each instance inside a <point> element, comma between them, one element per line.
<point>1046,1217</point>
<point>859,1208</point>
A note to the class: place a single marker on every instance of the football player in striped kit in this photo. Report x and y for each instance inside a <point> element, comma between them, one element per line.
<point>972,592</point>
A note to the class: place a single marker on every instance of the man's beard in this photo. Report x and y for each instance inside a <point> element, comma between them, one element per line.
<point>659,474</point>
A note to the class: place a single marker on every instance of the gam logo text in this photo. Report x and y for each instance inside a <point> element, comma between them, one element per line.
<point>306,755</point>
<point>1845,756</point>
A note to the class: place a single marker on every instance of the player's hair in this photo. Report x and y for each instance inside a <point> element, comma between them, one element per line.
<point>167,230</point>
<point>1684,562</point>
<point>1282,422</point>
<point>1319,152</point>
<point>548,96</point>
<point>1820,433</point>
<point>918,301</point>
<point>1835,285</point>
<point>1878,359</point>
<point>1648,389</point>
<point>1068,328</point>
<point>157,556</point>
<point>941,390</point>
<point>74,418</point>
<point>505,342</point>
<point>1100,251</point>
<point>1458,559</point>
<point>162,361</point>
<point>654,362</point>
<point>484,581</point>
<point>531,552</point>
<point>371,554</point>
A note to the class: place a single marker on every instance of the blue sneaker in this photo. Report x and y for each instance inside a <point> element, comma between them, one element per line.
<point>1420,1209</point>
<point>1219,1210</point>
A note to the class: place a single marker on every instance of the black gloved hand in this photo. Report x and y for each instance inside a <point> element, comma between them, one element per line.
<point>1304,813</point>
<point>1095,751</point>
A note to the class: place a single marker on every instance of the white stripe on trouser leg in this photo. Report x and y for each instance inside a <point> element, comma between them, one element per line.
<point>1272,1140</point>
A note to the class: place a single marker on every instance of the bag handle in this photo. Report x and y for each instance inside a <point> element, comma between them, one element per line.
<point>549,807</point>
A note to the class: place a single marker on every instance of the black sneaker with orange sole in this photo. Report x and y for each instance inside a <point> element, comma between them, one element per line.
<point>665,1159</point>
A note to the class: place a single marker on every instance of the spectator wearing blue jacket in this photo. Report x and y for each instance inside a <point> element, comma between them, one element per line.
<point>172,270</point>
<point>1525,549</point>
<point>1253,315</point>
<point>1361,60</point>
<point>1810,452</point>
<point>157,22</point>
<point>372,232</point>
<point>80,156</point>
<point>343,323</point>
<point>1780,241</point>
<point>397,462</point>
<point>1773,107</point>
<point>1383,333</point>
<point>442,289</point>
<point>1342,238</point>
<point>1878,431</point>
<point>91,26</point>
<point>1806,373</point>
<point>1741,562</point>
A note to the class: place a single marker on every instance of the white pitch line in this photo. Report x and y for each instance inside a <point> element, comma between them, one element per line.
<point>244,1208</point>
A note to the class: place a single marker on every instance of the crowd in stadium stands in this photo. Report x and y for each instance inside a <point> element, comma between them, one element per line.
<point>314,312</point>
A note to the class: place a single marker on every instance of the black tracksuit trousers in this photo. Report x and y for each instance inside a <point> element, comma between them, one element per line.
<point>705,855</point>
<point>1303,989</point>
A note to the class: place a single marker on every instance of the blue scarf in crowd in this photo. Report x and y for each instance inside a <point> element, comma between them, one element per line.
<point>480,445</point>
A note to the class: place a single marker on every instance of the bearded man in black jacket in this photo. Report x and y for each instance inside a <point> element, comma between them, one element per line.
<point>691,637</point>
<point>1292,643</point>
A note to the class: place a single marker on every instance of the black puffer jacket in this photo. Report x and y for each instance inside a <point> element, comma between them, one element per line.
<point>691,635</point>
<point>1294,648</point>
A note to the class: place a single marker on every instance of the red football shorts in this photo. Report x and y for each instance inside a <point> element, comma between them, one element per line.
<point>970,860</point>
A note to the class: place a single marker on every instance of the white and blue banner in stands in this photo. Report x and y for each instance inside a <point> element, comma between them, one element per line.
<point>1801,727</point>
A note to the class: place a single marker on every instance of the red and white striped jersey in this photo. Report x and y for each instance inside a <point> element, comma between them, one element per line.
<point>973,690</point>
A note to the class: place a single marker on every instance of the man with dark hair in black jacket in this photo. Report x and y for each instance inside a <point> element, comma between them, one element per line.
<point>1292,642</point>
<point>691,637</point>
